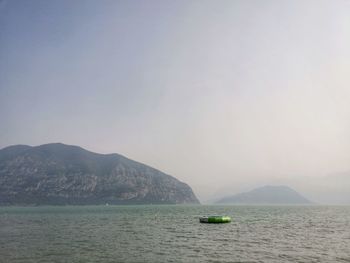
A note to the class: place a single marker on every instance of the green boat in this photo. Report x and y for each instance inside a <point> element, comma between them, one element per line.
<point>215,219</point>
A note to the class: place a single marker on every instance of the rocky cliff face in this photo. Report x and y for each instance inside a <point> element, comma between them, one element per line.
<point>63,174</point>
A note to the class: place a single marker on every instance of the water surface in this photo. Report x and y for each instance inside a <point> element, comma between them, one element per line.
<point>174,234</point>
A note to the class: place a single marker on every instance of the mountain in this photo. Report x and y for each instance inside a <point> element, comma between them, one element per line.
<point>63,174</point>
<point>266,195</point>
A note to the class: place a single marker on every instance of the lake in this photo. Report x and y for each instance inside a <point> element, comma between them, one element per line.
<point>173,234</point>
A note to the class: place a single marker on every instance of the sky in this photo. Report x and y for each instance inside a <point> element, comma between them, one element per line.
<point>224,95</point>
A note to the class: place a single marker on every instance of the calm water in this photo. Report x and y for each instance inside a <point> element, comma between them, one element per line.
<point>173,234</point>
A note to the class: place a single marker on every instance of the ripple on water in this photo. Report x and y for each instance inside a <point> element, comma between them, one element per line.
<point>173,234</point>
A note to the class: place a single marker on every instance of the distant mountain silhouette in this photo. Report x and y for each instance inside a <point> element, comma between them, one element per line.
<point>266,195</point>
<point>63,174</point>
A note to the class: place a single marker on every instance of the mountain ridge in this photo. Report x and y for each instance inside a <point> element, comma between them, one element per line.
<point>57,173</point>
<point>267,194</point>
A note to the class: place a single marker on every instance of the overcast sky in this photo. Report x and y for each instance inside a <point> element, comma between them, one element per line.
<point>223,95</point>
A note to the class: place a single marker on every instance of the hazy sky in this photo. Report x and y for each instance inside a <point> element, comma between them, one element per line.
<point>224,95</point>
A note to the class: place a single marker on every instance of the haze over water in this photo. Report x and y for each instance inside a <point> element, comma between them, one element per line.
<point>224,95</point>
